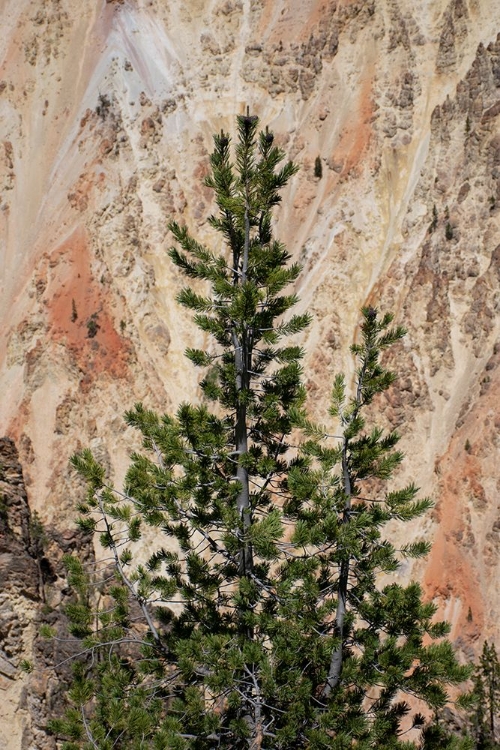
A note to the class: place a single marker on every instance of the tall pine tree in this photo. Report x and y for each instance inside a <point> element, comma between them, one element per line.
<point>257,621</point>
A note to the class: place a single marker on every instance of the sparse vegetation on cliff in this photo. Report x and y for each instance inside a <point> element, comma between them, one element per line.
<point>318,168</point>
<point>92,326</point>
<point>256,618</point>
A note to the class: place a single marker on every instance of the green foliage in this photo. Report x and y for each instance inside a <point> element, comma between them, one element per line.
<point>92,326</point>
<point>256,618</point>
<point>484,701</point>
<point>434,222</point>
<point>26,666</point>
<point>318,168</point>
<point>37,531</point>
<point>46,631</point>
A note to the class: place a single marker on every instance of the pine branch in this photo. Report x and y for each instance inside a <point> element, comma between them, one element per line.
<point>141,602</point>
<point>87,729</point>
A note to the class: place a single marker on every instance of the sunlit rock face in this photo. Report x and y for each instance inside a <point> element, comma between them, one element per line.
<point>106,116</point>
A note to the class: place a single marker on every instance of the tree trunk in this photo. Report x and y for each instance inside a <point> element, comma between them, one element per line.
<point>242,356</point>
<point>337,656</point>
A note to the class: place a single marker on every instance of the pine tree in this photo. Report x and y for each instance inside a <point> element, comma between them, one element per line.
<point>257,621</point>
<point>484,715</point>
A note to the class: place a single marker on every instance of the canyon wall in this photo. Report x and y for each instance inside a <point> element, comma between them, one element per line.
<point>106,116</point>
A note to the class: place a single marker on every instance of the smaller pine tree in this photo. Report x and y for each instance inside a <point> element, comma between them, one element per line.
<point>484,717</point>
<point>318,168</point>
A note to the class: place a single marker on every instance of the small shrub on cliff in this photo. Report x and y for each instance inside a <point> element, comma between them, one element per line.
<point>434,222</point>
<point>92,326</point>
<point>318,168</point>
<point>256,619</point>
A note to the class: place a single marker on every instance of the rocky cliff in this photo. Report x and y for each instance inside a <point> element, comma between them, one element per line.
<point>33,585</point>
<point>106,115</point>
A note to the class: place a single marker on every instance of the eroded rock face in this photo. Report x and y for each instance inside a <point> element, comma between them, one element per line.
<point>107,112</point>
<point>20,594</point>
<point>33,592</point>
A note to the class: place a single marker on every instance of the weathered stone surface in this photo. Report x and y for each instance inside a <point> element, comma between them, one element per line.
<point>20,595</point>
<point>33,584</point>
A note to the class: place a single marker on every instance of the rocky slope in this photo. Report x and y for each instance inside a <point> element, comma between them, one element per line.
<point>106,115</point>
